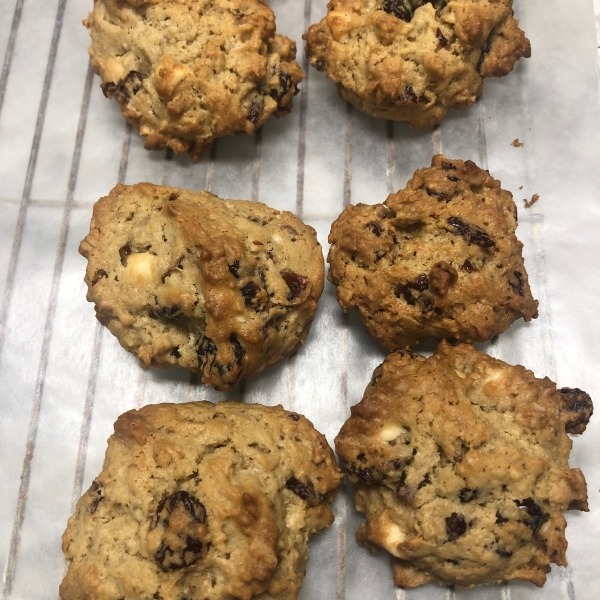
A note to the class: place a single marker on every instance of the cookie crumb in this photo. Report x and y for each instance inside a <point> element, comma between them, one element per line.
<point>530,203</point>
<point>516,143</point>
<point>520,187</point>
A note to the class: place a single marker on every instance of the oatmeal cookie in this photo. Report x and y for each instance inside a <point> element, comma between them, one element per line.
<point>460,464</point>
<point>223,287</point>
<point>412,60</point>
<point>186,72</point>
<point>201,501</point>
<point>438,259</point>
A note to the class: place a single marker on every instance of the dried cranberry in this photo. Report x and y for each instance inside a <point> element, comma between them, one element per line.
<point>249,291</point>
<point>125,88</point>
<point>443,42</point>
<point>538,517</point>
<point>455,526</point>
<point>256,111</point>
<point>518,286</point>
<point>205,349</point>
<point>577,407</point>
<point>472,234</point>
<point>296,283</point>
<point>169,558</point>
<point>306,491</point>
<point>285,82</point>
<point>409,96</point>
<point>440,196</point>
<point>418,284</point>
<point>234,267</point>
<point>238,349</point>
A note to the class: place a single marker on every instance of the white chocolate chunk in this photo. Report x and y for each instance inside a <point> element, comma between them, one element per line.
<point>140,268</point>
<point>390,432</point>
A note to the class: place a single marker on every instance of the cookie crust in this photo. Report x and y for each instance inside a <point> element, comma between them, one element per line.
<point>186,72</point>
<point>221,287</point>
<point>410,60</point>
<point>201,501</point>
<point>438,259</point>
<point>460,464</point>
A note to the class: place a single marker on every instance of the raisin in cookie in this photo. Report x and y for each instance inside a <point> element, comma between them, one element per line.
<point>460,464</point>
<point>438,259</point>
<point>223,287</point>
<point>186,72</point>
<point>201,501</point>
<point>412,60</point>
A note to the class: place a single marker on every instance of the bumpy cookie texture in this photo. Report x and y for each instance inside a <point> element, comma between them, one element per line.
<point>186,72</point>
<point>438,259</point>
<point>412,60</point>
<point>223,287</point>
<point>460,464</point>
<point>201,501</point>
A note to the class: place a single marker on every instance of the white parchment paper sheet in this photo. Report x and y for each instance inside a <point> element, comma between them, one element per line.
<point>64,379</point>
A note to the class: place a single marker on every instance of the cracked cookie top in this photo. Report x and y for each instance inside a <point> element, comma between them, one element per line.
<point>438,259</point>
<point>412,60</point>
<point>222,287</point>
<point>186,72</point>
<point>460,464</point>
<point>201,501</point>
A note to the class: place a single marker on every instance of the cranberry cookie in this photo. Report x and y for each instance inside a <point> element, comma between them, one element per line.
<point>201,501</point>
<point>412,60</point>
<point>460,464</point>
<point>223,287</point>
<point>186,72</point>
<point>438,259</point>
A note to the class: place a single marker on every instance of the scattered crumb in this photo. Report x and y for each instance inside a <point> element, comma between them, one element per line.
<point>530,203</point>
<point>517,144</point>
<point>521,187</point>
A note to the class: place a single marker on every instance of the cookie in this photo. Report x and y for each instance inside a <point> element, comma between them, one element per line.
<point>201,501</point>
<point>438,259</point>
<point>186,72</point>
<point>460,464</point>
<point>221,287</point>
<point>412,60</point>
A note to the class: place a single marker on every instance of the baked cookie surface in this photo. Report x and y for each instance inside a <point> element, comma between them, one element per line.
<point>412,60</point>
<point>201,501</point>
<point>186,72</point>
<point>438,259</point>
<point>221,287</point>
<point>460,464</point>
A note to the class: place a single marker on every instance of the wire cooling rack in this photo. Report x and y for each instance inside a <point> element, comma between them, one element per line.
<point>64,379</point>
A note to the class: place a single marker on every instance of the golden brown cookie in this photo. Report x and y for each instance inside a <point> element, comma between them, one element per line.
<point>438,259</point>
<point>460,464</point>
<point>223,287</point>
<point>186,72</point>
<point>412,60</point>
<point>201,501</point>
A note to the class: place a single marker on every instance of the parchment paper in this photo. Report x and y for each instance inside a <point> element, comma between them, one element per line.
<point>64,379</point>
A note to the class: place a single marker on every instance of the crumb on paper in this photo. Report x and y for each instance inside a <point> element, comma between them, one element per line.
<point>516,143</point>
<point>530,203</point>
<point>520,187</point>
